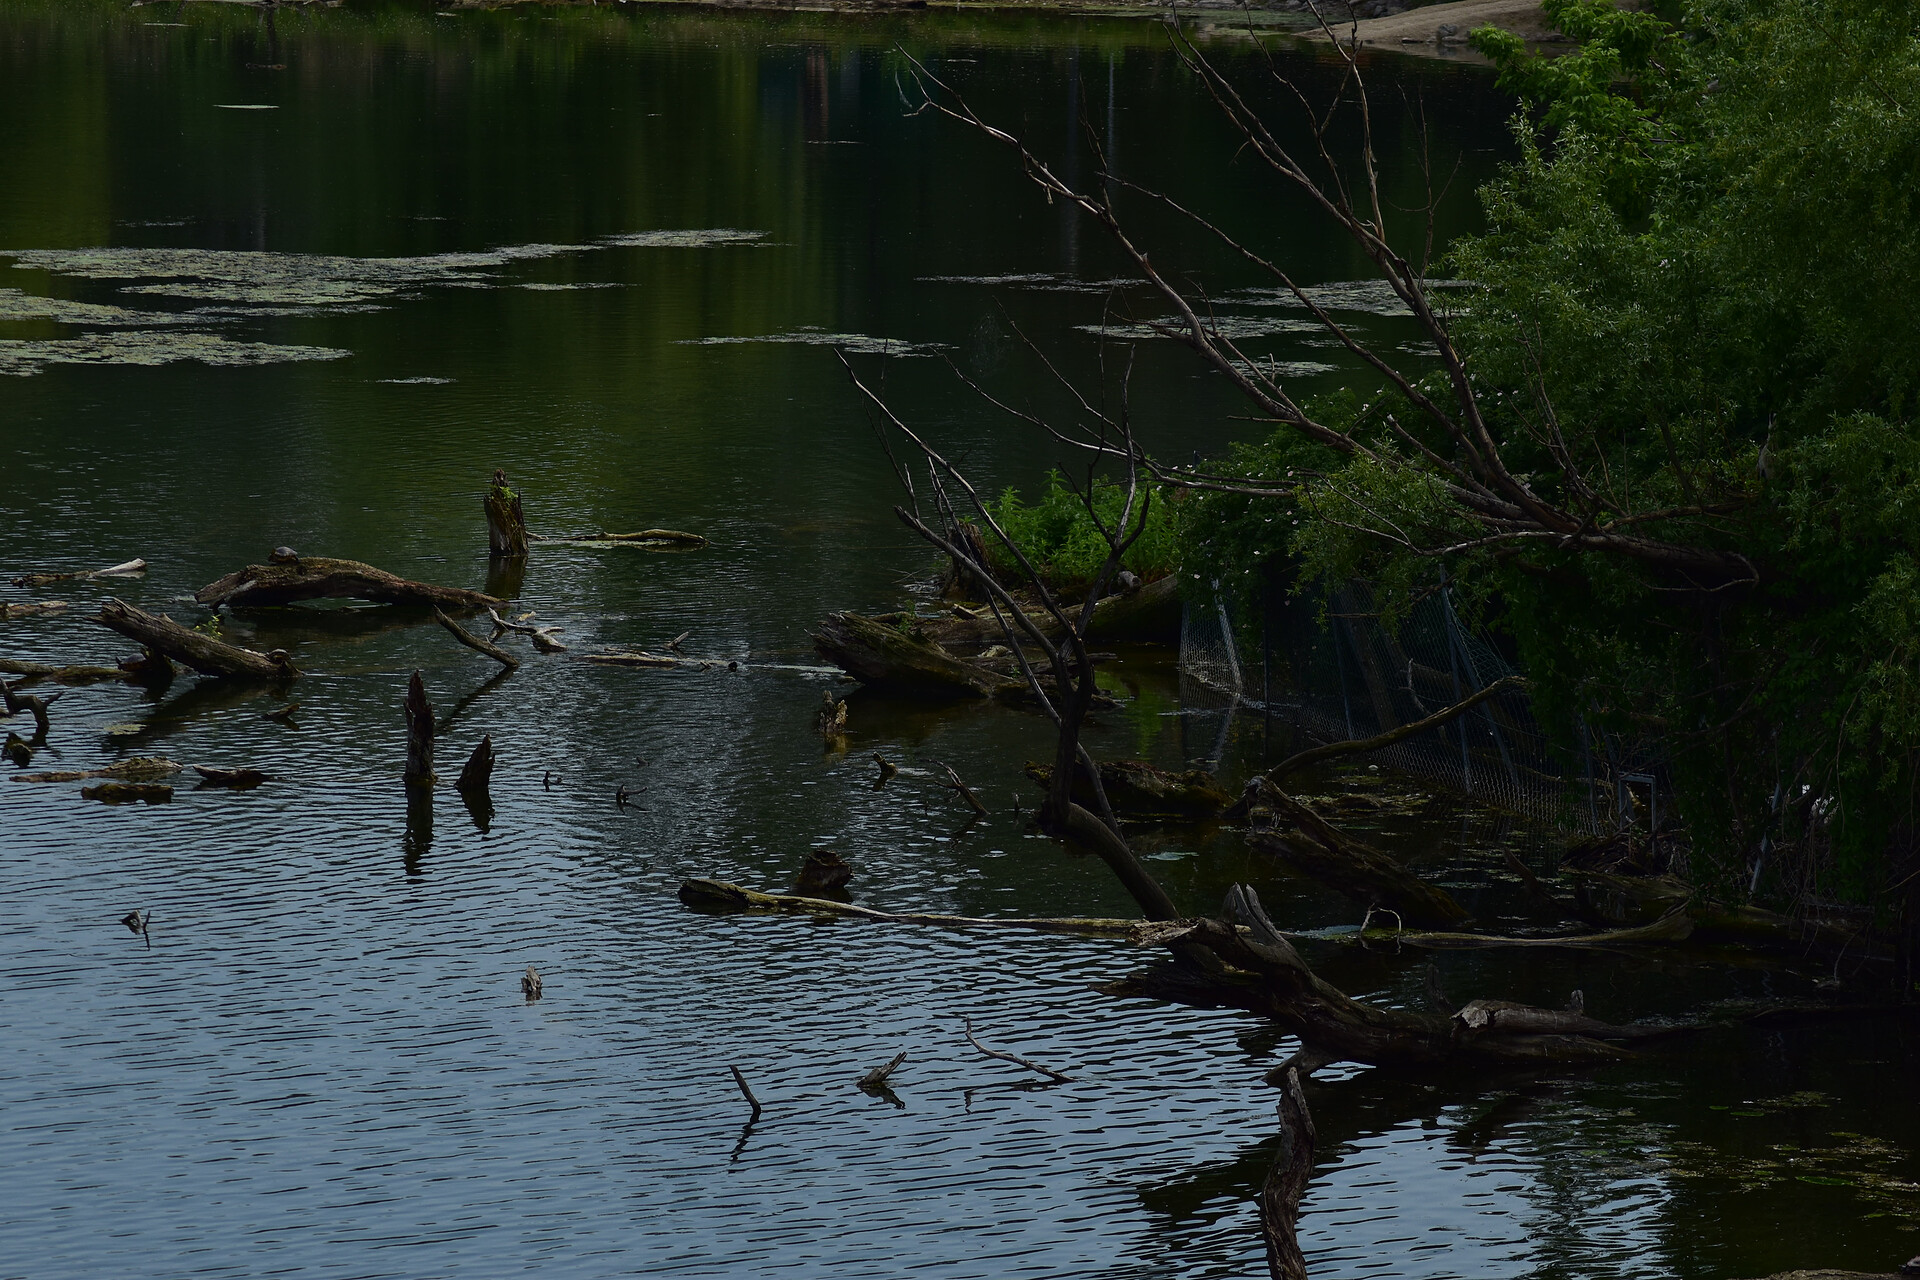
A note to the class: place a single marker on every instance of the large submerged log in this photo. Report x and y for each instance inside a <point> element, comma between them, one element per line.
<point>1149,614</point>
<point>1140,792</point>
<point>898,660</point>
<point>320,578</point>
<point>191,648</point>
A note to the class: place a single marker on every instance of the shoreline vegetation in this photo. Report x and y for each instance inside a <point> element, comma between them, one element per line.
<point>1437,31</point>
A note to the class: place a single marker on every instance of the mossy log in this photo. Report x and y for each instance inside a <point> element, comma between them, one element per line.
<point>132,767</point>
<point>320,578</point>
<point>1149,614</point>
<point>10,610</point>
<point>129,793</point>
<point>902,662</point>
<point>65,674</point>
<point>191,648</point>
<point>1365,874</point>
<point>1140,792</point>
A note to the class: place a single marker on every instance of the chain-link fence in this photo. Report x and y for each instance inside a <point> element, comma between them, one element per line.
<point>1333,670</point>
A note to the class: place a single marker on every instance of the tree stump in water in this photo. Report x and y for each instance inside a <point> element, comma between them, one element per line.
<point>419,770</point>
<point>506,522</point>
<point>477,777</point>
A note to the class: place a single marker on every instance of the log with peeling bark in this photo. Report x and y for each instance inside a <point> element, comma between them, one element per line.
<point>132,767</point>
<point>1141,792</point>
<point>321,578</point>
<point>475,643</point>
<point>126,570</point>
<point>193,649</point>
<point>1361,872</point>
<point>720,895</point>
<point>896,660</point>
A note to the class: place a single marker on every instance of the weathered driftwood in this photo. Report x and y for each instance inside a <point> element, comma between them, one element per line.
<point>28,609</point>
<point>542,637</point>
<point>1141,792</point>
<point>128,569</point>
<point>719,895</point>
<point>191,648</point>
<point>745,1092</point>
<point>506,522</point>
<point>1676,926</point>
<point>128,793</point>
<point>1359,871</point>
<point>418,773</point>
<point>1149,614</point>
<point>476,777</point>
<point>320,578</point>
<point>62,674</point>
<point>475,643</point>
<point>629,658</point>
<point>1287,1182</point>
<point>132,767</point>
<point>231,779</point>
<point>832,719</point>
<point>896,660</point>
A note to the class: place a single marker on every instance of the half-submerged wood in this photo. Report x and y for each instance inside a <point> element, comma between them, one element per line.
<point>63,674</point>
<point>672,537</point>
<point>193,649</point>
<point>419,769</point>
<point>506,522</point>
<point>28,609</point>
<point>231,779</point>
<point>621,658</point>
<point>129,793</point>
<point>720,895</point>
<point>901,662</point>
<point>1148,614</point>
<point>475,643</point>
<point>321,578</point>
<point>1287,1182</point>
<point>1141,792</point>
<point>126,570</point>
<point>1359,871</point>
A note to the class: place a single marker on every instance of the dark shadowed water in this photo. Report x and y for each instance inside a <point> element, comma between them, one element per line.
<point>308,279</point>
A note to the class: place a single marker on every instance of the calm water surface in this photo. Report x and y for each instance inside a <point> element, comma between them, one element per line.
<point>307,281</point>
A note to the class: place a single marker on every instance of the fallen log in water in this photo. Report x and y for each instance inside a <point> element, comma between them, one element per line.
<point>1149,614</point>
<point>28,609</point>
<point>132,767</point>
<point>125,570</point>
<point>191,648</point>
<point>654,537</point>
<point>1287,1182</point>
<point>894,659</point>
<point>319,578</point>
<point>63,674</point>
<point>1142,793</point>
<point>622,658</point>
<point>1361,872</point>
<point>232,779</point>
<point>720,895</point>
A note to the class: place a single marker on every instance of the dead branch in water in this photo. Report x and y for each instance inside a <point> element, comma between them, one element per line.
<point>877,1078</point>
<point>965,792</point>
<point>475,643</point>
<point>16,703</point>
<point>1014,1058</point>
<point>720,895</point>
<point>1361,746</point>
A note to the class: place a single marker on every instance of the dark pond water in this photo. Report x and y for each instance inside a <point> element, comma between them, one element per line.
<point>308,281</point>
